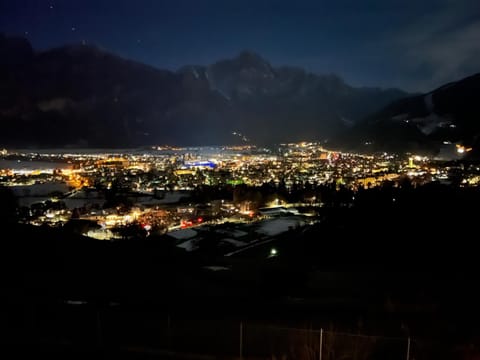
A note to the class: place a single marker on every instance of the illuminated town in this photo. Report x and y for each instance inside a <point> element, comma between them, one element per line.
<point>117,194</point>
<point>240,180</point>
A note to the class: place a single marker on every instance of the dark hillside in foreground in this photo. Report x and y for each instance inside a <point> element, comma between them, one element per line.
<point>392,268</point>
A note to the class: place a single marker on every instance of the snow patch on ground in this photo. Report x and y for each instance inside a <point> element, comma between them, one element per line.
<point>39,189</point>
<point>189,245</point>
<point>277,226</point>
<point>183,234</point>
<point>233,242</point>
<point>235,233</point>
<point>430,123</point>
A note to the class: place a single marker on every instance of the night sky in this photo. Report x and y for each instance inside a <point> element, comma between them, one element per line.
<point>412,44</point>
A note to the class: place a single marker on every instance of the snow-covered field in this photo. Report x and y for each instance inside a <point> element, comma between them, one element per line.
<point>39,189</point>
<point>277,226</point>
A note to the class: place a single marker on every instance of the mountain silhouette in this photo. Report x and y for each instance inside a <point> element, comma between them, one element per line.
<point>423,122</point>
<point>83,96</point>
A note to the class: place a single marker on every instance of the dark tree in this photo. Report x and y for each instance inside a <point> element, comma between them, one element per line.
<point>8,205</point>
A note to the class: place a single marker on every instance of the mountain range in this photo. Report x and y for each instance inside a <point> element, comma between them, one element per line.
<point>449,115</point>
<point>83,96</point>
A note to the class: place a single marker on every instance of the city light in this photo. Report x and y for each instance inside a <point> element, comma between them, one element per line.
<point>159,187</point>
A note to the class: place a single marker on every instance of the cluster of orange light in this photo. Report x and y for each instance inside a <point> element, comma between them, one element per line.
<point>76,181</point>
<point>6,172</point>
<point>462,149</point>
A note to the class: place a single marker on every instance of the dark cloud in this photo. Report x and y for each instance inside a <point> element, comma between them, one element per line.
<point>441,46</point>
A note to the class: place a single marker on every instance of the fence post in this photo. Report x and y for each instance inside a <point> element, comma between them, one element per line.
<point>241,341</point>
<point>408,348</point>
<point>169,334</point>
<point>321,345</point>
<point>99,328</point>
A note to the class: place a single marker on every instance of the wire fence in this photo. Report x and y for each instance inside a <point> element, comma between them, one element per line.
<point>225,339</point>
<point>269,342</point>
<point>219,338</point>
